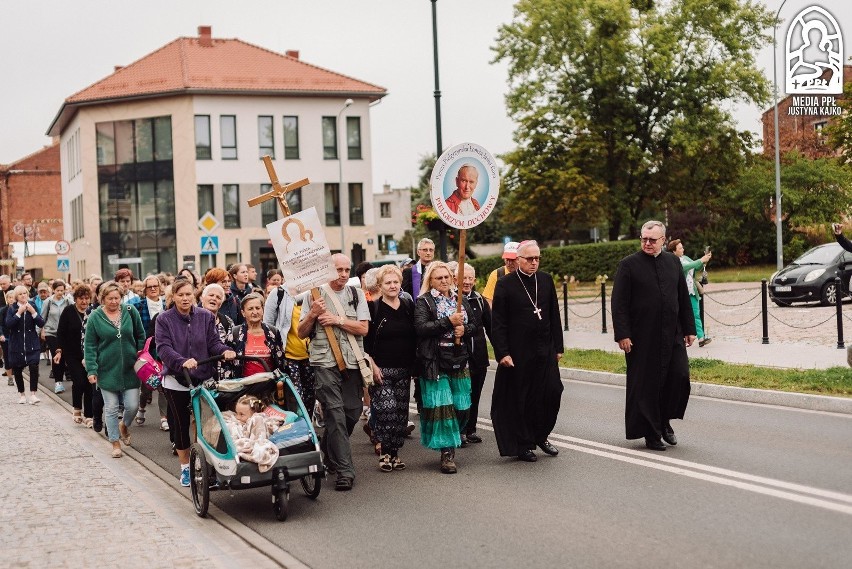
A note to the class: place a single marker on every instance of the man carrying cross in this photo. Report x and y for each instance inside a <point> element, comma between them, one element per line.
<point>526,333</point>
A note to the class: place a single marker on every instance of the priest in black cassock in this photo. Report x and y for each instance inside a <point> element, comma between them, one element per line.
<point>653,323</point>
<point>527,339</point>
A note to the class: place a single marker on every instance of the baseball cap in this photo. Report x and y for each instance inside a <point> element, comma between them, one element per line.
<point>510,250</point>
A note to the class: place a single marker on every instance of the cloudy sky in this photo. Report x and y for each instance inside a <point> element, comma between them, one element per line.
<point>53,48</point>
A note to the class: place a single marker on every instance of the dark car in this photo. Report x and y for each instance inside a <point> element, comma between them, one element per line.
<point>811,277</point>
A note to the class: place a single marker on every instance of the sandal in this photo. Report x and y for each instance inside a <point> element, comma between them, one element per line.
<point>397,463</point>
<point>89,422</point>
<point>140,416</point>
<point>78,416</point>
<point>343,484</point>
<point>164,424</point>
<point>385,463</point>
<point>123,433</point>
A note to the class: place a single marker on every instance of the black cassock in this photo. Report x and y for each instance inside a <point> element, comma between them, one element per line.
<point>526,397</point>
<point>651,306</point>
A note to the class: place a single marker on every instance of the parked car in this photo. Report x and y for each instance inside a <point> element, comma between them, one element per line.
<point>811,277</point>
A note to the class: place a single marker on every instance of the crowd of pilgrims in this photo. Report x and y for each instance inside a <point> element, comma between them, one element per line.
<point>91,330</point>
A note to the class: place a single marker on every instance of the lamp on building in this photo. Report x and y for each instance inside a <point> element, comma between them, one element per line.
<point>779,241</point>
<point>346,105</point>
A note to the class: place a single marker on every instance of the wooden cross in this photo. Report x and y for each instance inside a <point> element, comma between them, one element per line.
<point>279,193</point>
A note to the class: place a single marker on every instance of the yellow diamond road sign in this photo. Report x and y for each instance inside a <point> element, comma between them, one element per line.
<point>208,223</point>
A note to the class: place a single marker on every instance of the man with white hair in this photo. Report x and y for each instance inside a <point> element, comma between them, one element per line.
<point>526,333</point>
<point>339,392</point>
<point>412,277</point>
<point>653,323</point>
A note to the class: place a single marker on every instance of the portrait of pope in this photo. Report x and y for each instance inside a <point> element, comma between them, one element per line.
<point>461,201</point>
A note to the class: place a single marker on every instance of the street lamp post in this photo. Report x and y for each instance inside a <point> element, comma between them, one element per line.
<point>346,105</point>
<point>779,242</point>
<point>442,231</point>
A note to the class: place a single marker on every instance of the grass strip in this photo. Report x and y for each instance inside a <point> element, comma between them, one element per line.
<point>835,381</point>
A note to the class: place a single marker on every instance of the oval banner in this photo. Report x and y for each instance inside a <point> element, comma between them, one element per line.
<point>465,185</point>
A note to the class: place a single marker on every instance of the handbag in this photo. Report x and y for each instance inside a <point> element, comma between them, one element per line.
<point>452,358</point>
<point>147,368</point>
<point>364,364</point>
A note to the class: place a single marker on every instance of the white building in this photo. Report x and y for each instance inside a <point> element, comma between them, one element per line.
<point>392,210</point>
<point>149,149</point>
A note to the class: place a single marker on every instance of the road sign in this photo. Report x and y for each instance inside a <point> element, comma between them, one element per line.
<point>210,245</point>
<point>208,224</point>
<point>391,247</point>
<point>63,264</point>
<point>62,247</point>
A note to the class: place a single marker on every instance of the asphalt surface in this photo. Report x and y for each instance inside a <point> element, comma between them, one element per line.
<point>748,486</point>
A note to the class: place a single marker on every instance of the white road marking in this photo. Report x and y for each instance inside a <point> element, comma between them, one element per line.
<point>799,493</point>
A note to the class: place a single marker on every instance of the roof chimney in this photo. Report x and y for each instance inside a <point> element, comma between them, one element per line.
<point>204,36</point>
<point>294,53</point>
<point>117,68</point>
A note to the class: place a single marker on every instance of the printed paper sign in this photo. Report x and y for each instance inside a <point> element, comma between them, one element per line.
<point>814,53</point>
<point>465,185</point>
<point>302,250</point>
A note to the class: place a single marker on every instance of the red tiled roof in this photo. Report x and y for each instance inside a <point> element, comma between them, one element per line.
<point>222,66</point>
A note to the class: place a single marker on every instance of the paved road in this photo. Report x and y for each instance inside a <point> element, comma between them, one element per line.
<point>749,486</point>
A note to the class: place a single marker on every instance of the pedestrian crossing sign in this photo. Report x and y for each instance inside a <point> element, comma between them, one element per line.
<point>63,265</point>
<point>210,245</point>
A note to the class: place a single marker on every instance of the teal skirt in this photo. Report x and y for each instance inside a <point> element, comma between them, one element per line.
<point>443,400</point>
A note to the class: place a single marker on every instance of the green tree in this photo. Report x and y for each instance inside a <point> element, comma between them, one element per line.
<point>840,129</point>
<point>622,107</point>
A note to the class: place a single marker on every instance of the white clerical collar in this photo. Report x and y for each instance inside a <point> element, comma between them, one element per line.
<point>525,274</point>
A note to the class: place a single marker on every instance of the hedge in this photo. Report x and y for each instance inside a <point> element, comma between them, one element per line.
<point>584,262</point>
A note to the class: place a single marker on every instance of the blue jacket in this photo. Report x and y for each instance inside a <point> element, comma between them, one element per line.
<point>24,344</point>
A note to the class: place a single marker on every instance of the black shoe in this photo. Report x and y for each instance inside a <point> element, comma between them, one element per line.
<point>654,444</point>
<point>463,442</point>
<point>343,484</point>
<point>528,456</point>
<point>97,424</point>
<point>548,448</point>
<point>474,438</point>
<point>704,341</point>
<point>51,374</point>
<point>669,435</point>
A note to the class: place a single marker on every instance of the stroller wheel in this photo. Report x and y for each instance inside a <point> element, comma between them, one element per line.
<point>199,480</point>
<point>311,484</point>
<point>281,504</point>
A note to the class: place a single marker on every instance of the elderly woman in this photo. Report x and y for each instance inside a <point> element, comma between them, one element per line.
<point>70,331</point>
<point>51,309</point>
<point>22,319</point>
<point>442,365</point>
<point>185,334</point>
<point>254,338</point>
<point>4,334</point>
<point>114,335</point>
<point>230,306</point>
<point>391,342</point>
<point>689,266</point>
<point>478,350</point>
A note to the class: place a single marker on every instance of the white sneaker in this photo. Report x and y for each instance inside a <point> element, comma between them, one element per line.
<point>22,400</point>
<point>34,399</point>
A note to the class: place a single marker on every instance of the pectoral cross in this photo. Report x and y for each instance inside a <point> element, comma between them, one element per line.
<point>279,193</point>
<point>537,312</point>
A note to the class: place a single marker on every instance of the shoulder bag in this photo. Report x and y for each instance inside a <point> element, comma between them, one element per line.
<point>364,365</point>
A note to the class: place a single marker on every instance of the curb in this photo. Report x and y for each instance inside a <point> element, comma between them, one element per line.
<point>744,394</point>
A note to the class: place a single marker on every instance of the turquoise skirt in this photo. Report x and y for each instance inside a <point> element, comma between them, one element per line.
<point>442,399</point>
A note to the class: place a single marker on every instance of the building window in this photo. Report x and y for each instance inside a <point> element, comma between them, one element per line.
<point>329,138</point>
<point>383,243</point>
<point>819,128</point>
<point>136,197</point>
<point>77,218</point>
<point>269,208</point>
<point>231,258</point>
<point>384,209</point>
<point>353,137</point>
<point>202,138</point>
<point>228,136</point>
<point>265,137</point>
<point>332,205</point>
<point>356,204</point>
<point>205,199</point>
<point>291,138</point>
<point>294,200</point>
<point>231,205</point>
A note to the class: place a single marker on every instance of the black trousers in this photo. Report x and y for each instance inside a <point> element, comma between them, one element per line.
<point>477,381</point>
<point>19,377</point>
<point>178,417</point>
<point>58,369</point>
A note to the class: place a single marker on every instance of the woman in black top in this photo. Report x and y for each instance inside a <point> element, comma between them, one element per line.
<point>69,335</point>
<point>391,342</point>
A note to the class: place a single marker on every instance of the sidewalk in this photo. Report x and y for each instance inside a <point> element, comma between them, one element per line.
<point>796,356</point>
<point>68,503</point>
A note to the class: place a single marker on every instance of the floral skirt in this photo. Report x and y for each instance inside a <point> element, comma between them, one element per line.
<point>446,402</point>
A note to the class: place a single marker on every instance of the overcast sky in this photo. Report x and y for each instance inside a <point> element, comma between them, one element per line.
<point>52,48</point>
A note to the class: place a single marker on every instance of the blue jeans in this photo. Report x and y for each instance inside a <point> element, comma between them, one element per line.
<point>112,399</point>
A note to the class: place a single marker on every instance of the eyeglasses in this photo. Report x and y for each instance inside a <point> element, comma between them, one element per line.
<point>650,240</point>
<point>152,286</point>
<point>443,278</point>
<point>535,259</point>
